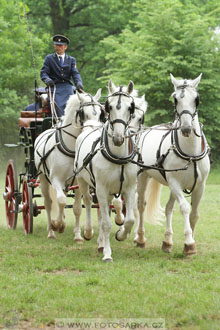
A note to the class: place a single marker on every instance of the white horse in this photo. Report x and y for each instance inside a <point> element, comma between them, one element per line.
<point>136,126</point>
<point>103,161</point>
<point>54,158</point>
<point>180,152</point>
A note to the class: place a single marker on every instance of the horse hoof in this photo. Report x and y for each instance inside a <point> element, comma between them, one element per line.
<point>51,237</point>
<point>78,240</point>
<point>119,223</point>
<point>107,260</point>
<point>116,235</point>
<point>166,247</point>
<point>189,249</point>
<point>54,225</point>
<point>100,249</point>
<point>88,238</point>
<point>61,229</point>
<point>141,245</point>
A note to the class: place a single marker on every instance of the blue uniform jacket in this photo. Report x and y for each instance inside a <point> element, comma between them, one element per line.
<point>61,74</point>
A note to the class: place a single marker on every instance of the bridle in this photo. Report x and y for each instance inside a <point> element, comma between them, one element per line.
<point>120,93</point>
<point>185,111</point>
<point>80,111</point>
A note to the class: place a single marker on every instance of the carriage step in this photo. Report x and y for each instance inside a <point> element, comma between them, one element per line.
<point>11,145</point>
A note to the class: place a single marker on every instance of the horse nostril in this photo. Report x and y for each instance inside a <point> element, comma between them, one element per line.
<point>118,140</point>
<point>186,130</point>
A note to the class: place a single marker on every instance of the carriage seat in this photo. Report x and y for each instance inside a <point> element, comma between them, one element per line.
<point>27,117</point>
<point>26,122</point>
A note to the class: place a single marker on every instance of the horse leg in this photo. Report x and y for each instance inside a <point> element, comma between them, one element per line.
<point>189,244</point>
<point>77,210</point>
<point>118,206</point>
<point>140,239</point>
<point>123,232</point>
<point>137,218</point>
<point>44,184</point>
<point>106,222</point>
<point>195,201</point>
<point>100,239</point>
<point>168,242</point>
<point>59,224</point>
<point>84,189</point>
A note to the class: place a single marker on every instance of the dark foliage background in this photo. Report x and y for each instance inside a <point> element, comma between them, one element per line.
<point>127,39</point>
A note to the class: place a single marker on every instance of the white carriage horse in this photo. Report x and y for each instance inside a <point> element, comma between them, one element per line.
<point>136,126</point>
<point>108,168</point>
<point>54,158</point>
<point>181,153</point>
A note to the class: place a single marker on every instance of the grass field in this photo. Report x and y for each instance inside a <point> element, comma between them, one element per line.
<point>43,280</point>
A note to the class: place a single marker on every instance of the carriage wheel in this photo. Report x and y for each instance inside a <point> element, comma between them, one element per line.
<point>27,209</point>
<point>11,195</point>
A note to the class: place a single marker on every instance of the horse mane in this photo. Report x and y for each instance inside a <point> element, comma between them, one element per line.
<point>184,83</point>
<point>72,104</point>
<point>139,102</point>
<point>124,89</point>
<point>191,87</point>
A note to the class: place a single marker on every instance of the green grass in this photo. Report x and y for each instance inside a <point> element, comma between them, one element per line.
<point>41,280</point>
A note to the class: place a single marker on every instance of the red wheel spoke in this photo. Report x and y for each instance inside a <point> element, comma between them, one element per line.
<point>27,208</point>
<point>11,199</point>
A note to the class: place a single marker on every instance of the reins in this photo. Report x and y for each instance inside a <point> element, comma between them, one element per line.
<point>55,118</point>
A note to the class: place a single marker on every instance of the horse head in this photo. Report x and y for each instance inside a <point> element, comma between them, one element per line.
<point>186,101</point>
<point>120,107</point>
<point>140,110</point>
<point>82,107</point>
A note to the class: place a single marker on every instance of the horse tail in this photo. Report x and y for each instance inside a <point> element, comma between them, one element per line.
<point>154,213</point>
<point>54,209</point>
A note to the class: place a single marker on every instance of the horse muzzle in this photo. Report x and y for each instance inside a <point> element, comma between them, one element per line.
<point>186,130</point>
<point>118,140</point>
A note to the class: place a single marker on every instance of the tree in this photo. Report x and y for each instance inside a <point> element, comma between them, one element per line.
<point>16,70</point>
<point>85,22</point>
<point>170,37</point>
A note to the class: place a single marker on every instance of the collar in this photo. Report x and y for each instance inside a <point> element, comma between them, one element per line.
<point>63,56</point>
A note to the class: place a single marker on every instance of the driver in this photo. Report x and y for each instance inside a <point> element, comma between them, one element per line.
<point>58,69</point>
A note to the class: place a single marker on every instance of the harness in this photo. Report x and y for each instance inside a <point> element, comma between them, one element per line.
<point>175,147</point>
<point>104,145</point>
<point>60,143</point>
<point>106,152</point>
<point>80,112</point>
<point>177,150</point>
<point>59,138</point>
<point>44,156</point>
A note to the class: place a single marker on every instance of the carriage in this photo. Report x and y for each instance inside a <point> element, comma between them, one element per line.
<point>21,193</point>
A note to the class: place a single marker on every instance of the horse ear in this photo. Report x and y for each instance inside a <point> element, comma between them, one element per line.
<point>143,99</point>
<point>111,87</point>
<point>130,87</point>
<point>98,94</point>
<point>144,103</point>
<point>196,81</point>
<point>174,81</point>
<point>79,96</point>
